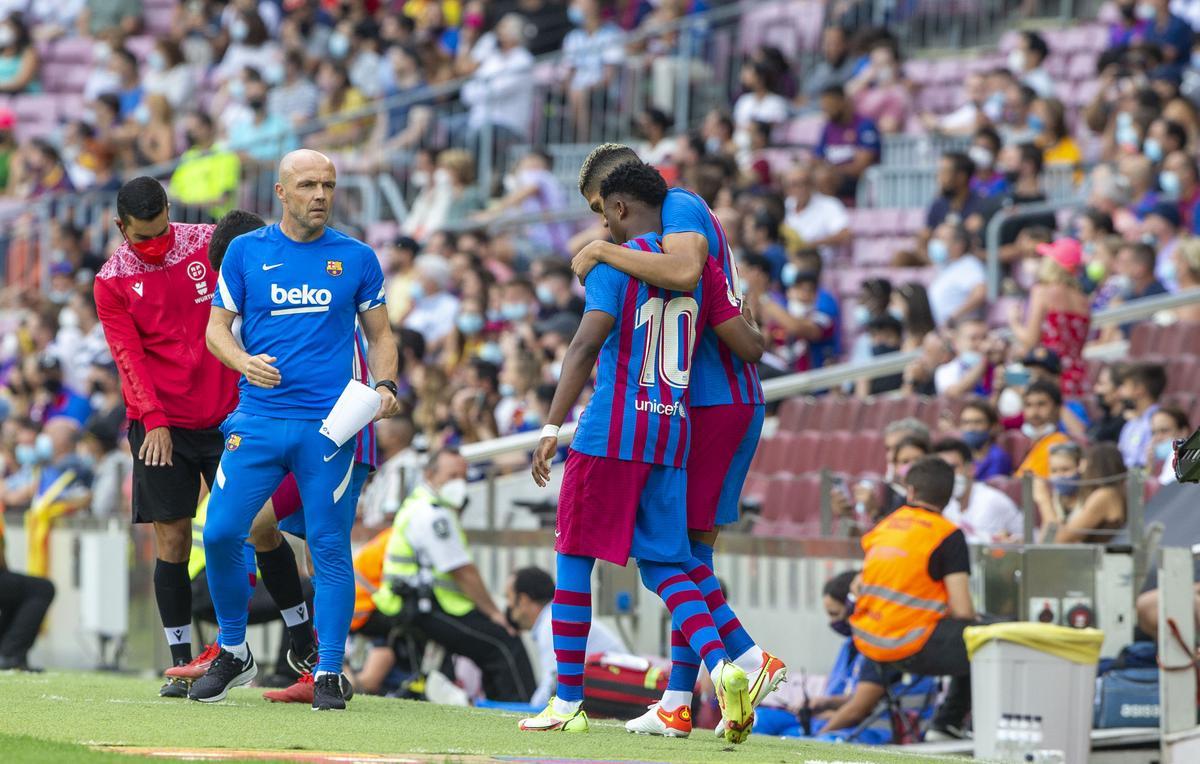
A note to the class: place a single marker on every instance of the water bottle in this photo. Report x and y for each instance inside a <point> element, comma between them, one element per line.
<point>1021,734</point>
<point>1004,730</point>
<point>860,508</point>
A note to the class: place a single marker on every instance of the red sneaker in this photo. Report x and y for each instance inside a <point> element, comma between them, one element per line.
<point>197,668</point>
<point>300,692</point>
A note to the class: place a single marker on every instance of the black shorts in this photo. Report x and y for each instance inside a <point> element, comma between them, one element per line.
<point>163,494</point>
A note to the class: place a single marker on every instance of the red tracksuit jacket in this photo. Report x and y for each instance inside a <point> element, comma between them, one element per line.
<point>154,319</point>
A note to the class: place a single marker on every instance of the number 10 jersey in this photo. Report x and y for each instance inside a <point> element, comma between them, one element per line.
<point>638,411</point>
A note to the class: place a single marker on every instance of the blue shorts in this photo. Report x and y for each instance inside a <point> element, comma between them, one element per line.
<point>660,531</point>
<point>613,509</point>
<point>724,439</point>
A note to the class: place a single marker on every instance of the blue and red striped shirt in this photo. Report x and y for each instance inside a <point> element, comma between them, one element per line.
<point>364,443</point>
<point>638,411</point>
<point>720,378</point>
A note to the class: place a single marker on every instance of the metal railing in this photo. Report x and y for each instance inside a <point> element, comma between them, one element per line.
<point>902,149</point>
<point>831,377</point>
<point>890,186</point>
<point>1015,213</point>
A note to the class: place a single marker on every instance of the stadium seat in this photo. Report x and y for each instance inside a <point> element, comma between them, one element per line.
<point>1011,486</point>
<point>1181,337</point>
<point>804,452</point>
<point>796,414</point>
<point>867,452</point>
<point>1142,339</point>
<point>837,451</point>
<point>804,499</point>
<point>1016,445</point>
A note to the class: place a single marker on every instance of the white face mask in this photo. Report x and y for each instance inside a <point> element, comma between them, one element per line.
<point>454,493</point>
<point>960,485</point>
<point>1016,61</point>
<point>1036,433</point>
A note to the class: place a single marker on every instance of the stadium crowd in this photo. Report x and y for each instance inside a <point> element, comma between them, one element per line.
<point>483,315</point>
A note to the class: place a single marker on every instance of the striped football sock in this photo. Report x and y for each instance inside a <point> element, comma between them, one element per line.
<point>737,641</point>
<point>687,608</point>
<point>570,621</point>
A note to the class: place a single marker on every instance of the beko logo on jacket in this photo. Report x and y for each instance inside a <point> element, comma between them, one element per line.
<point>304,298</point>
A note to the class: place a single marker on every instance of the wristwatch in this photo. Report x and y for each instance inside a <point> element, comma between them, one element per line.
<point>390,385</point>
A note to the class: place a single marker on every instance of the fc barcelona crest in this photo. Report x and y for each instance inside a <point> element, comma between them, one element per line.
<point>333,267</point>
<point>234,442</point>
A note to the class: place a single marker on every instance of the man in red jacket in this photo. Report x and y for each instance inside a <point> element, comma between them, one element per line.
<point>152,298</point>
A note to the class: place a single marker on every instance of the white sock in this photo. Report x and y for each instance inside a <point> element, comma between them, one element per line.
<point>178,635</point>
<point>672,699</point>
<point>751,660</point>
<point>320,674</point>
<point>566,707</point>
<point>715,674</point>
<point>241,652</point>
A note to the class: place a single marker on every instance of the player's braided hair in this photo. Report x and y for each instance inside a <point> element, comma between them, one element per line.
<point>603,159</point>
<point>637,180</point>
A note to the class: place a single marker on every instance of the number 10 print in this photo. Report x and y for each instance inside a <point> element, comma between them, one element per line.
<point>667,325</point>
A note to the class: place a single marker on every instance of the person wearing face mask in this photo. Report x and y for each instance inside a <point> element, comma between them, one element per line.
<point>956,203</point>
<point>969,371</point>
<point>428,576</point>
<point>985,148</point>
<point>169,74</point>
<point>434,309</point>
<point>959,290</point>
<point>883,333</point>
<point>250,45</point>
<point>820,221</point>
<point>978,425</point>
<point>528,595</point>
<point>1168,424</point>
<point>60,483</point>
<point>152,298</point>
<point>984,514</point>
<point>261,135</point>
<point>1099,507</point>
<point>905,444</point>
<point>1140,388</point>
<point>890,624</point>
<point>1059,495</point>
<point>880,91</point>
<point>1180,182</point>
<point>1042,402</point>
<point>1027,60</point>
<point>555,290</point>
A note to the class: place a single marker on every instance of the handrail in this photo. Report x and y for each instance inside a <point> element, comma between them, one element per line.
<point>832,376</point>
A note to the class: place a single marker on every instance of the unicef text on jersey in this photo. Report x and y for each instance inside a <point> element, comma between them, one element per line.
<point>660,408</point>
<point>304,298</point>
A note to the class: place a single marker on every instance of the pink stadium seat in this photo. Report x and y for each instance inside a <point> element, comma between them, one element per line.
<point>381,234</point>
<point>838,413</point>
<point>1182,337</point>
<point>158,19</point>
<point>1016,444</point>
<point>1082,67</point>
<point>871,416</point>
<point>1141,339</point>
<point>74,50</point>
<point>802,131</point>
<point>755,488</point>
<point>776,453</point>
<point>778,498</point>
<point>836,451</point>
<point>1011,486</point>
<point>912,220</point>
<point>804,494</point>
<point>867,453</point>
<point>919,70</point>
<point>796,414</point>
<point>140,46</point>
<point>803,452</point>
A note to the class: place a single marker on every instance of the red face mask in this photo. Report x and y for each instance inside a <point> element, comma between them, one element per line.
<point>154,251</point>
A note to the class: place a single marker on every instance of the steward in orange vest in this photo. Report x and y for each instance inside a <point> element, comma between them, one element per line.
<point>913,596</point>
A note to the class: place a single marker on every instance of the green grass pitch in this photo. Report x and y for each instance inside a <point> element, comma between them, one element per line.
<point>69,717</point>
